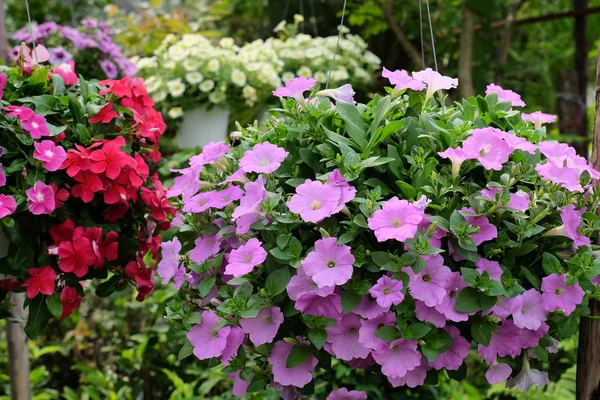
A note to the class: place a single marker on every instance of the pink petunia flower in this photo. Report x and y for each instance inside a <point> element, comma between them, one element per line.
<point>455,284</point>
<point>40,198</point>
<point>435,81</point>
<point>169,263</point>
<point>320,306</point>
<point>51,155</point>
<point>430,284</point>
<point>505,95</point>
<point>67,72</point>
<point>491,267</point>
<point>402,80</point>
<point>516,142</point>
<point>301,284</point>
<point>344,338</point>
<point>250,204</point>
<point>429,314</point>
<point>517,201</point>
<point>387,291</point>
<point>561,154</point>
<point>245,258</point>
<point>397,219</point>
<point>344,94</point>
<point>538,118</point>
<point>368,309</point>
<point>263,328</point>
<point>234,340</point>
<point>498,373</point>
<point>206,247</point>
<point>8,205</point>
<point>366,332</point>
<point>529,310</point>
<point>225,197</point>
<point>527,378</point>
<point>315,201</point>
<point>413,378</point>
<point>571,219</point>
<point>397,358</point>
<point>295,88</point>
<point>487,231</point>
<point>556,295</point>
<point>348,192</point>
<point>504,342</point>
<point>207,341</point>
<point>456,156</point>
<point>563,176</point>
<point>345,394</point>
<point>264,158</point>
<point>298,376</point>
<point>187,184</point>
<point>211,153</point>
<point>486,146</point>
<point>36,126</point>
<point>453,358</point>
<point>330,264</point>
<point>200,202</point>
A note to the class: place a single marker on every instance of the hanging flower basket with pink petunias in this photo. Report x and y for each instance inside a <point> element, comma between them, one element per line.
<point>79,197</point>
<point>396,237</point>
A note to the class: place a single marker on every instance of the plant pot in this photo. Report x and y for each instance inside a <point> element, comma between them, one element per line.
<point>201,126</point>
<point>3,244</point>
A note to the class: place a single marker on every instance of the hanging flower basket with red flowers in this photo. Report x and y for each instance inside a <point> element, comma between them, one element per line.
<point>79,198</point>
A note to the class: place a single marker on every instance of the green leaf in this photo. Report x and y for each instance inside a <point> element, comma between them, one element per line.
<point>550,264</point>
<point>76,110</point>
<point>257,384</point>
<point>39,315</point>
<point>525,249</point>
<point>58,84</point>
<point>442,222</point>
<point>206,285</point>
<point>541,353</point>
<point>408,190</point>
<point>467,300</point>
<point>350,300</point>
<point>43,105</point>
<point>388,333</point>
<point>317,337</point>
<point>467,243</point>
<point>283,240</point>
<point>470,276</point>
<point>482,331</point>
<point>185,351</point>
<point>83,133</point>
<point>277,281</point>
<point>295,246</point>
<point>108,287</point>
<point>280,254</point>
<point>417,331</point>
<point>39,76</point>
<point>355,126</point>
<point>299,355</point>
<point>380,258</point>
<point>54,305</point>
<point>532,278</point>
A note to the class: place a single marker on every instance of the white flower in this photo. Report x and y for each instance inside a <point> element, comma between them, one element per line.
<point>249,93</point>
<point>207,85</point>
<point>146,62</point>
<point>238,77</point>
<point>298,18</point>
<point>159,96</point>
<point>280,26</point>
<point>216,97</point>
<point>152,84</point>
<point>304,71</point>
<point>213,65</point>
<point>339,75</point>
<point>194,77</point>
<point>287,76</point>
<point>175,112</point>
<point>312,52</point>
<point>320,76</point>
<point>190,64</point>
<point>176,87</point>
<point>226,43</point>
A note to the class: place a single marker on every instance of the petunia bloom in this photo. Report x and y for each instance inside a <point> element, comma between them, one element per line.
<point>498,373</point>
<point>527,378</point>
<point>505,95</point>
<point>453,358</point>
<point>431,283</point>
<point>40,198</point>
<point>487,146</point>
<point>538,118</point>
<point>330,264</point>
<point>344,338</point>
<point>487,231</point>
<point>41,280</point>
<point>298,376</point>
<point>387,292</point>
<point>315,201</point>
<point>345,394</point>
<point>571,219</point>
<point>263,328</point>
<point>344,94</point>
<point>169,263</point>
<point>529,310</point>
<point>264,158</point>
<point>295,88</point>
<point>243,259</point>
<point>556,295</point>
<point>456,156</point>
<point>491,267</point>
<point>397,219</point>
<point>207,341</point>
<point>397,358</point>
<point>402,80</point>
<point>51,155</point>
<point>206,247</point>
<point>435,81</point>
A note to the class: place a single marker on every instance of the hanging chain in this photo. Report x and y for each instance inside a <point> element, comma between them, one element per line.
<point>337,46</point>
<point>421,30</point>
<point>33,53</point>
<point>431,34</point>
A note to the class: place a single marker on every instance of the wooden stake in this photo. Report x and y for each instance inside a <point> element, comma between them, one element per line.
<point>18,351</point>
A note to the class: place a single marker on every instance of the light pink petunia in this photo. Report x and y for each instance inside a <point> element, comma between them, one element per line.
<point>264,158</point>
<point>397,358</point>
<point>187,184</point>
<point>40,198</point>
<point>505,95</point>
<point>435,81</point>
<point>206,247</point>
<point>556,295</point>
<point>207,341</point>
<point>430,284</point>
<point>298,376</point>
<point>563,176</point>
<point>67,72</point>
<point>169,263</point>
<point>413,378</point>
<point>529,310</point>
<point>301,284</point>
<point>387,292</point>
<point>320,306</point>
<point>491,267</point>
<point>344,338</point>
<point>487,231</point>
<point>51,155</point>
<point>344,94</point>
<point>571,219</point>
<point>200,202</point>
<point>368,309</point>
<point>234,340</point>
<point>498,373</point>
<point>348,192</point>
<point>330,264</point>
<point>295,88</point>
<point>561,154</point>
<point>453,358</point>
<point>397,219</point>
<point>538,118</point>
<point>211,153</point>
<point>456,156</point>
<point>345,394</point>
<point>368,327</point>
<point>429,314</point>
<point>8,205</point>
<point>527,378</point>
<point>505,341</point>
<point>455,284</point>
<point>263,328</point>
<point>402,80</point>
<point>516,142</point>
<point>315,201</point>
<point>225,197</point>
<point>250,204</point>
<point>487,146</point>
<point>243,259</point>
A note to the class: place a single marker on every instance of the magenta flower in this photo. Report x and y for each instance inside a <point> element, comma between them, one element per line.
<point>435,81</point>
<point>348,192</point>
<point>8,205</point>
<point>538,118</point>
<point>330,264</point>
<point>227,196</point>
<point>320,306</point>
<point>22,113</point>
<point>211,153</point>
<point>234,341</point>
<point>571,219</point>
<point>453,358</point>
<point>36,126</point>
<point>40,198</point>
<point>486,146</point>
<point>516,142</point>
<point>264,158</point>
<point>295,88</point>
<point>315,201</point>
<point>245,258</point>
<point>207,341</point>
<point>301,284</point>
<point>298,376</point>
<point>200,202</point>
<point>413,378</point>
<point>564,176</point>
<point>240,386</point>
<point>486,232</point>
<point>455,284</point>
<point>387,291</point>
<point>397,358</point>
<point>2,176</point>
<point>529,311</point>
<point>497,373</point>
<point>402,80</point>
<point>491,267</point>
<point>345,394</point>
<point>561,154</point>
<point>206,247</point>
<point>67,72</point>
<point>366,333</point>
<point>255,194</point>
<point>429,314</point>
<point>397,219</point>
<point>51,155</point>
<point>263,328</point>
<point>556,295</point>
<point>505,95</point>
<point>344,338</point>
<point>368,309</point>
<point>527,378</point>
<point>169,263</point>
<point>456,156</point>
<point>430,284</point>
<point>504,342</point>
<point>344,94</point>
<point>187,184</point>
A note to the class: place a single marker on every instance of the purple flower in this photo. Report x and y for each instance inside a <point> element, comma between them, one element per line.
<point>348,192</point>
<point>200,202</point>
<point>206,247</point>
<point>368,309</point>
<point>315,201</point>
<point>430,284</point>
<point>250,204</point>
<point>517,201</point>
<point>344,338</point>
<point>89,23</point>
<point>264,158</point>
<point>397,219</point>
<point>486,232</point>
<point>397,358</point>
<point>429,314</point>
<point>497,373</point>
<point>487,146</point>
<point>127,67</point>
<point>401,80</point>
<point>491,267</point>
<point>298,376</point>
<point>240,386</point>
<point>571,219</point>
<point>187,184</point>
<point>59,55</point>
<point>227,196</point>
<point>207,341</point>
<point>413,378</point>
<point>109,68</point>
<point>263,328</point>
<point>516,143</point>
<point>387,291</point>
<point>435,81</point>
<point>344,94</point>
<point>295,88</point>
<point>563,176</point>
<point>529,311</point>
<point>504,342</point>
<point>345,394</point>
<point>368,327</point>
<point>301,284</point>
<point>556,295</point>
<point>455,284</point>
<point>453,358</point>
<point>168,265</point>
<point>456,156</point>
<point>505,95</point>
<point>527,378</point>
<point>314,304</point>
<point>211,153</point>
<point>234,341</point>
<point>245,258</point>
<point>330,264</point>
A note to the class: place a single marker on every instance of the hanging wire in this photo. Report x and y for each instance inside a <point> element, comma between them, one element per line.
<point>302,13</point>
<point>33,53</point>
<point>431,34</point>
<point>337,45</point>
<point>285,11</point>
<point>313,18</point>
<point>421,29</point>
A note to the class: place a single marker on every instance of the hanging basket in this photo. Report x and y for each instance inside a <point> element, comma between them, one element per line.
<point>201,126</point>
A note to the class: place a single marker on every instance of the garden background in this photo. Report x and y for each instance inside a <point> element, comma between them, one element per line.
<point>116,348</point>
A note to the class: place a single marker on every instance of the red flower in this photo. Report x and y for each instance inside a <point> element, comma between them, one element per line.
<point>62,232</point>
<point>119,88</point>
<point>106,114</point>
<point>110,159</point>
<point>89,183</point>
<point>10,285</point>
<point>41,280</point>
<point>157,200</point>
<point>144,277</point>
<point>107,248</point>
<point>114,193</point>
<point>116,211</point>
<point>70,301</point>
<point>78,160</point>
<point>60,195</point>
<point>76,256</point>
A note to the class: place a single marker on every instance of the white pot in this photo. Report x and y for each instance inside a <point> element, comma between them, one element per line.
<point>201,126</point>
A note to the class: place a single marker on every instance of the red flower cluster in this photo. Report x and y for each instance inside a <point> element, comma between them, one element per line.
<point>144,278</point>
